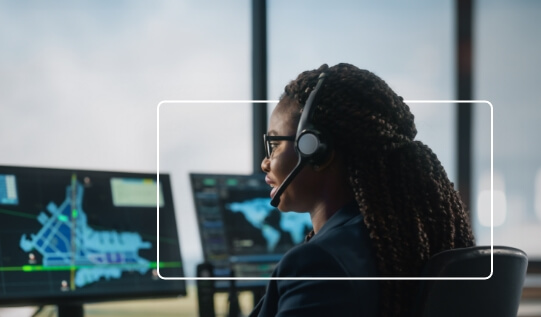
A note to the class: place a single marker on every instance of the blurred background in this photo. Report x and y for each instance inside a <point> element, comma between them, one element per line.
<point>80,84</point>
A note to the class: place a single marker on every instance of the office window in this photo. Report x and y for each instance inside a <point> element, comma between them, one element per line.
<point>409,45</point>
<point>506,58</point>
<point>80,85</point>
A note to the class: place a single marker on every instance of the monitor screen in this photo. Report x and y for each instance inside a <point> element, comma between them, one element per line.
<point>241,233</point>
<point>75,236</point>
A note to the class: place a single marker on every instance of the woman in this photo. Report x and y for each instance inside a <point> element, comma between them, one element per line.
<point>380,202</point>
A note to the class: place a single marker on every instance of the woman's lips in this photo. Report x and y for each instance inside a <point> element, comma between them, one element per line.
<point>272,185</point>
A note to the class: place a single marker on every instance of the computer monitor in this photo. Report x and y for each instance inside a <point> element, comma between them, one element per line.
<point>241,233</point>
<point>69,237</point>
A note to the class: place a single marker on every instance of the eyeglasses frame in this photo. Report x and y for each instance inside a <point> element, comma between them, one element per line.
<point>269,138</point>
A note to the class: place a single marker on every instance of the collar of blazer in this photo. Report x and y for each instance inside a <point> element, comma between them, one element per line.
<point>344,215</point>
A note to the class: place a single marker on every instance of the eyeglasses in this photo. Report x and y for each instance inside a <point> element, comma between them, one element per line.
<point>269,145</point>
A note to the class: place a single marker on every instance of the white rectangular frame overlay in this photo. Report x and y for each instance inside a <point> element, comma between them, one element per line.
<point>180,102</point>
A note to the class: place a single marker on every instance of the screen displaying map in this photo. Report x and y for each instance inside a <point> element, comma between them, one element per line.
<point>85,234</point>
<point>256,227</point>
<point>241,233</point>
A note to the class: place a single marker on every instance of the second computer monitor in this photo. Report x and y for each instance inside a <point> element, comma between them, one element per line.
<point>241,233</point>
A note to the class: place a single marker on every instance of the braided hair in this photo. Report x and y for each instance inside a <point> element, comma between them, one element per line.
<point>410,207</point>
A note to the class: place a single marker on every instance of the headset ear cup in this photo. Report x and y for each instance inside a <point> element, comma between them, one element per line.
<point>308,144</point>
<point>314,146</point>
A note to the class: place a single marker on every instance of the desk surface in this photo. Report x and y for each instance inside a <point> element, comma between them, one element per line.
<point>178,307</point>
<point>187,306</point>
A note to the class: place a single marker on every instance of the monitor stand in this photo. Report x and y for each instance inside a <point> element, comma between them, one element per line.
<point>234,308</point>
<point>71,310</point>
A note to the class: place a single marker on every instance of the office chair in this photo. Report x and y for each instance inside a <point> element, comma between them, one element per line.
<point>497,296</point>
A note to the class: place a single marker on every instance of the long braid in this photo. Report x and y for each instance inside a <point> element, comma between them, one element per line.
<point>410,207</point>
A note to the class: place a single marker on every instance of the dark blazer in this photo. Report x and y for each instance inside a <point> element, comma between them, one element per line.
<point>341,248</point>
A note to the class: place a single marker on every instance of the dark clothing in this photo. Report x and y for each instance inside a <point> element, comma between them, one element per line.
<point>341,248</point>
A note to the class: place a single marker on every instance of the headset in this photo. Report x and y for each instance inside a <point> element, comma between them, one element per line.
<point>311,143</point>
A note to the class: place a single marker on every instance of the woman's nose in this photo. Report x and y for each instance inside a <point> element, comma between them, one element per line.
<point>265,165</point>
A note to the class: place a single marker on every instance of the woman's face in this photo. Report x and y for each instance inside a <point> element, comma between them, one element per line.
<point>299,194</point>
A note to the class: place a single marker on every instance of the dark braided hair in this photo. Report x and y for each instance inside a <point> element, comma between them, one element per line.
<point>409,205</point>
